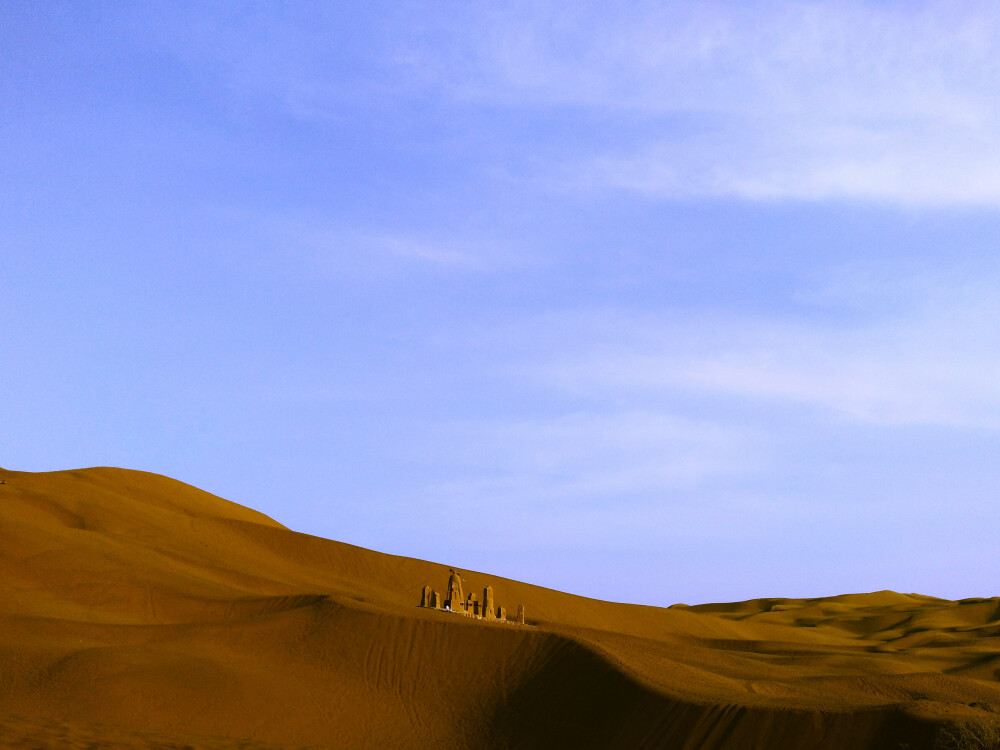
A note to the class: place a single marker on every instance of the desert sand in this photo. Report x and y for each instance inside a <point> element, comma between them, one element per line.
<point>140,612</point>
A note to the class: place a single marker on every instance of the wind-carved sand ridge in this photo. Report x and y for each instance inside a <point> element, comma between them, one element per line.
<point>139,612</point>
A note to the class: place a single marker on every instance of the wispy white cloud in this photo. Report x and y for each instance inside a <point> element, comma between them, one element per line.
<point>638,450</point>
<point>933,360</point>
<point>443,253</point>
<point>590,474</point>
<point>891,103</point>
<point>889,164</point>
<point>887,102</point>
<point>857,60</point>
<point>334,250</point>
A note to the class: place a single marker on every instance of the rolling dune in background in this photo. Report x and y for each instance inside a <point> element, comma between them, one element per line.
<point>140,612</point>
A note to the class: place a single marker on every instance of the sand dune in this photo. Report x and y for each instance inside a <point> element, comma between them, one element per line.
<point>140,612</point>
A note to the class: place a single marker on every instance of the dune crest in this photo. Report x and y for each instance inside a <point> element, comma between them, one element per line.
<point>138,611</point>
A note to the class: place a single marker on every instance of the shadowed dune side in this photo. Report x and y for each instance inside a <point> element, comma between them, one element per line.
<point>145,609</point>
<point>624,714</point>
<point>329,674</point>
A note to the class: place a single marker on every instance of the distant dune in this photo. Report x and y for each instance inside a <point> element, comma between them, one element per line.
<point>140,612</point>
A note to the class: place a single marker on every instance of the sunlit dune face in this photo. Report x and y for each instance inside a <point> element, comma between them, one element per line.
<point>160,612</point>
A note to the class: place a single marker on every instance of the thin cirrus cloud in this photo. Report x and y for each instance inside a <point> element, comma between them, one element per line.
<point>932,362</point>
<point>888,103</point>
<point>641,450</point>
<point>577,474</point>
<point>341,251</point>
<point>884,165</point>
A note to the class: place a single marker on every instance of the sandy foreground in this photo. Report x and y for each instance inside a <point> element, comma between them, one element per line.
<point>140,612</point>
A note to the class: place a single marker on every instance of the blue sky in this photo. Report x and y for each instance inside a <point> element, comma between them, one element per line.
<point>653,302</point>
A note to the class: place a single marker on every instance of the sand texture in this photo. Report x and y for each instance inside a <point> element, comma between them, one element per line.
<point>140,612</point>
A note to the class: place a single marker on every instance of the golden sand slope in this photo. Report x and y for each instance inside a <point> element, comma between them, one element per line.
<point>137,611</point>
